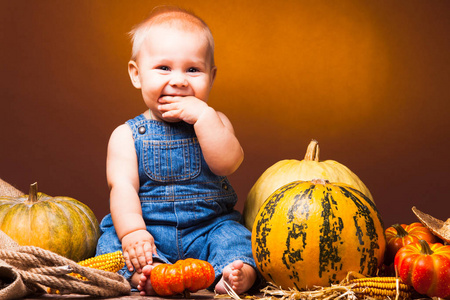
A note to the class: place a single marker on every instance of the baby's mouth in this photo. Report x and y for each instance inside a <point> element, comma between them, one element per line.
<point>173,95</point>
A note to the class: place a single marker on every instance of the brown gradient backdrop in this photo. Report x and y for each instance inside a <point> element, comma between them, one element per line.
<point>368,79</point>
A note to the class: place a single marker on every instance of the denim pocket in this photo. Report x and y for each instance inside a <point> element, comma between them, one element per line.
<point>169,161</point>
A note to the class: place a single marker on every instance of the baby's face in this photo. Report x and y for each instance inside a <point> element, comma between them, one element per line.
<point>174,62</point>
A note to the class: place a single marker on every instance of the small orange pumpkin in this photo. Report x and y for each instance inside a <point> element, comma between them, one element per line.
<point>399,235</point>
<point>188,275</point>
<point>426,267</point>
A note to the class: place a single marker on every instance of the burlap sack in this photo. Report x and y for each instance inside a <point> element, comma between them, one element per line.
<point>8,190</point>
<point>11,284</point>
<point>6,242</point>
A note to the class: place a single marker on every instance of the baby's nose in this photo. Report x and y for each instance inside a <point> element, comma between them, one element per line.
<point>178,79</point>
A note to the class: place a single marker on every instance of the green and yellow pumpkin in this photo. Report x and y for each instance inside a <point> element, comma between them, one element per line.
<point>60,224</point>
<point>289,170</point>
<point>312,233</point>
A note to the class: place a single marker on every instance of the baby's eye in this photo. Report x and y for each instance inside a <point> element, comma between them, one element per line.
<point>193,70</point>
<point>164,68</point>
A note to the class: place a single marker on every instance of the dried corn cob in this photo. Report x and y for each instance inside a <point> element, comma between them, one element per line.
<point>382,287</point>
<point>111,262</point>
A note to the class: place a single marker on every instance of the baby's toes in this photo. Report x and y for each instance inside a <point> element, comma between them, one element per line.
<point>237,264</point>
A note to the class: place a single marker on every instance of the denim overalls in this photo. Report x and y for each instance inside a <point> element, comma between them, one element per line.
<point>188,210</point>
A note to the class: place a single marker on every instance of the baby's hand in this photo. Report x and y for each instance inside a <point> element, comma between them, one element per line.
<point>187,108</point>
<point>138,249</point>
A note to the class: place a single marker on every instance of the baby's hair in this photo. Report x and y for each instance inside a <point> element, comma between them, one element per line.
<point>172,16</point>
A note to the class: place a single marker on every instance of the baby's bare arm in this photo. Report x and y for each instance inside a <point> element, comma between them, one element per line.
<point>220,146</point>
<point>123,179</point>
<point>221,149</point>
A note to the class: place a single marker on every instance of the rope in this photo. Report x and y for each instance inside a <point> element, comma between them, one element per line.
<point>43,268</point>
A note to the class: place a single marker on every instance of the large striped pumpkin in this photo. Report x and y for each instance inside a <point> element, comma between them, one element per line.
<point>314,232</point>
<point>288,170</point>
<point>60,224</point>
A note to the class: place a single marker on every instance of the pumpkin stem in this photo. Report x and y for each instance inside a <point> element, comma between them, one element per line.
<point>426,250</point>
<point>320,181</point>
<point>32,196</point>
<point>312,152</point>
<point>401,232</point>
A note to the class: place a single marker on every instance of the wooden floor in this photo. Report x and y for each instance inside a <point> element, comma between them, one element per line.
<point>200,295</point>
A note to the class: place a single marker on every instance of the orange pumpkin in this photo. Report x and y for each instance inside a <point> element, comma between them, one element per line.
<point>426,267</point>
<point>188,275</point>
<point>399,235</point>
<point>60,224</point>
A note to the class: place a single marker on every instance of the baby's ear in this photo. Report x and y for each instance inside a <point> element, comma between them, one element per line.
<point>213,74</point>
<point>133,71</point>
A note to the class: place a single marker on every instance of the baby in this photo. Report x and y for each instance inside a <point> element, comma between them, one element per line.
<point>166,168</point>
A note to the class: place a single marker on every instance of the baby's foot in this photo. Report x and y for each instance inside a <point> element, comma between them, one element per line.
<point>239,276</point>
<point>145,286</point>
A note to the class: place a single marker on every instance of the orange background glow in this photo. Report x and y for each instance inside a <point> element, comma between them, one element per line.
<point>370,80</point>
